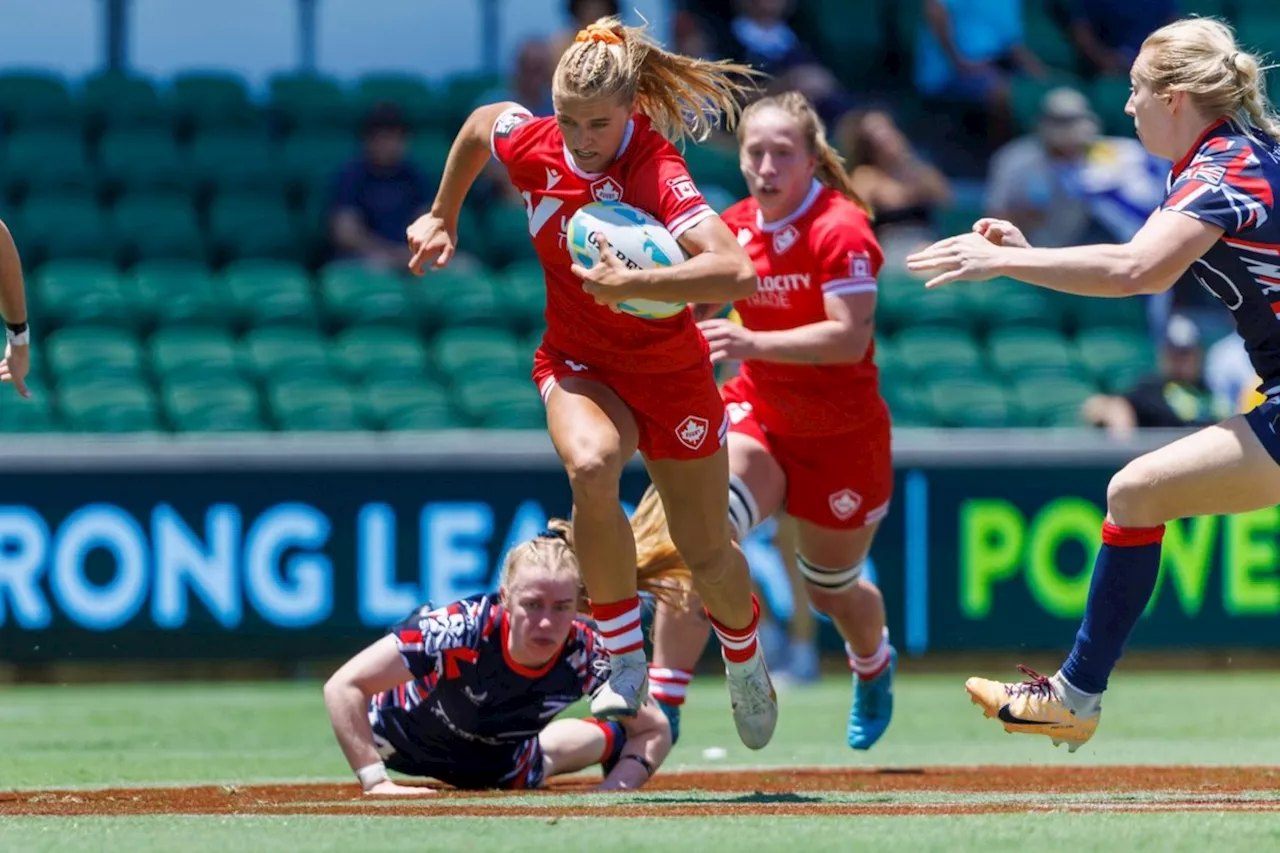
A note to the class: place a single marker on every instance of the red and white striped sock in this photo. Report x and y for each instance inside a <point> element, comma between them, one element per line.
<point>669,685</point>
<point>738,644</point>
<point>619,625</point>
<point>869,667</point>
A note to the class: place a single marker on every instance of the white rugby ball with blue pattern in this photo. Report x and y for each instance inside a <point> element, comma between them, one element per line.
<point>638,240</point>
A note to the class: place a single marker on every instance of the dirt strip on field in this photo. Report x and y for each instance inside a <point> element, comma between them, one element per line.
<point>914,791</point>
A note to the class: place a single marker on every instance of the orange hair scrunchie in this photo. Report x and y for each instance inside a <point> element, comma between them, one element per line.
<point>596,32</point>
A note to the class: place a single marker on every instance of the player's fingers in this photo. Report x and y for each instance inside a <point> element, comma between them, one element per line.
<point>418,260</point>
<point>945,278</point>
<point>21,388</point>
<point>446,255</point>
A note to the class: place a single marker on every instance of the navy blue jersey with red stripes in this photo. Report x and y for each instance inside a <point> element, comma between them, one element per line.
<point>470,707</point>
<point>1231,180</point>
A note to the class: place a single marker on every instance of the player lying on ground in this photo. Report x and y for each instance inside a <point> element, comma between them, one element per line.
<point>1197,100</point>
<point>615,383</point>
<point>463,693</point>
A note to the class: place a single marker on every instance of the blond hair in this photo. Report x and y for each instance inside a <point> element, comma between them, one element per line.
<point>683,97</point>
<point>830,168</point>
<point>1200,56</point>
<point>549,552</point>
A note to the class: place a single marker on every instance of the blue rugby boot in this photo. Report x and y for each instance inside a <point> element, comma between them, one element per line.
<point>872,705</point>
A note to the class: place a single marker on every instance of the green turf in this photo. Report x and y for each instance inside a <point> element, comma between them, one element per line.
<point>223,732</point>
<point>93,734</point>
<point>1131,833</point>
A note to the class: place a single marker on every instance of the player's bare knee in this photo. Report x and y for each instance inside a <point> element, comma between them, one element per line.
<point>594,471</point>
<point>1131,496</point>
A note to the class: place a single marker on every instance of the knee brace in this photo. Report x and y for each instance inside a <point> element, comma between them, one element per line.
<point>829,580</point>
<point>744,512</point>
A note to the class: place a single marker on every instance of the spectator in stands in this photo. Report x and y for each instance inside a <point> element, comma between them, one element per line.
<point>1231,376</point>
<point>902,189</point>
<point>378,194</point>
<point>530,81</point>
<point>1066,184</point>
<point>1108,34</point>
<point>1177,396</point>
<point>967,49</point>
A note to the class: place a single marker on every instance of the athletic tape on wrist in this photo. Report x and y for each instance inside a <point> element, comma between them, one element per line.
<point>372,774</point>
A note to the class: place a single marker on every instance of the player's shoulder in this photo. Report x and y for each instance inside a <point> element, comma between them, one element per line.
<point>741,214</point>
<point>461,624</point>
<point>837,217</point>
<point>517,124</point>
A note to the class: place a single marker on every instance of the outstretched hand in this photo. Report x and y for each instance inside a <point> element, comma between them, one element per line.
<point>387,788</point>
<point>14,368</point>
<point>968,257</point>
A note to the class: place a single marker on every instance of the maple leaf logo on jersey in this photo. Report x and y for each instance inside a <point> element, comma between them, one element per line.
<point>844,503</point>
<point>860,266</point>
<point>606,189</point>
<point>683,187</point>
<point>785,239</point>
<point>744,236</point>
<point>692,432</point>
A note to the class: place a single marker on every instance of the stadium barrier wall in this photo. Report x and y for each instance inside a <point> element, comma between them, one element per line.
<point>302,547</point>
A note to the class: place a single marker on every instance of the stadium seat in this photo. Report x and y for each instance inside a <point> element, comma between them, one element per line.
<point>466,353</point>
<point>450,298</point>
<point>190,354</point>
<point>353,295</point>
<point>234,160</point>
<point>716,165</point>
<point>903,303</point>
<point>63,227</point>
<point>960,402</point>
<point>928,352</point>
<point>1016,353</point>
<point>204,100</point>
<point>1083,312</point>
<point>1002,303</point>
<point>141,160</point>
<point>157,226</point>
<point>498,402</point>
<point>115,100</point>
<point>1047,39</point>
<point>269,293</point>
<point>1109,95</point>
<point>1028,94</point>
<point>1048,401</point>
<point>281,353</point>
<point>401,405</point>
<point>1115,358</point>
<point>47,160</point>
<point>113,406</point>
<point>253,226</point>
<point>310,160</point>
<point>373,353</point>
<point>36,414</point>
<point>36,99</point>
<point>81,292</point>
<point>179,293</point>
<point>428,152</point>
<point>417,102</point>
<point>317,404</point>
<point>304,103</point>
<point>79,353</point>
<point>505,235</point>
<point>523,293</point>
<point>212,405</point>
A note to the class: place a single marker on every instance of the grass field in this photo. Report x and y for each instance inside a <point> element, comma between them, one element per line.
<point>1182,762</point>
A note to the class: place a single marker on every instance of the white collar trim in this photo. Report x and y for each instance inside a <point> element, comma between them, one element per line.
<point>591,176</point>
<point>769,227</point>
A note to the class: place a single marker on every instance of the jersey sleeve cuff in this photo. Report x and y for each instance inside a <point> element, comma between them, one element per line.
<point>493,131</point>
<point>688,219</point>
<point>847,286</point>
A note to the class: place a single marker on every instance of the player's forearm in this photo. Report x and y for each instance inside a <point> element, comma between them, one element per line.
<point>467,158</point>
<point>628,774</point>
<point>13,296</point>
<point>348,713</point>
<point>824,342</point>
<point>708,277</point>
<point>1101,270</point>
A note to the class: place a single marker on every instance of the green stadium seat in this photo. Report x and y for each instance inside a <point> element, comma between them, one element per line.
<point>194,354</point>
<point>1115,358</point>
<point>308,102</point>
<point>417,102</point>
<point>1027,95</point>
<point>92,352</point>
<point>47,160</point>
<point>927,352</point>
<point>1003,303</point>
<point>1083,312</point>
<point>35,414</point>
<point>317,404</point>
<point>958,219</point>
<point>467,353</point>
<point>354,295</point>
<point>117,100</point>
<point>141,160</point>
<point>1046,39</point>
<point>1048,401</point>
<point>269,293</point>
<point>1016,353</point>
<point>852,46</point>
<point>372,353</point>
<point>63,226</point>
<point>81,292</point>
<point>1109,96</point>
<point>712,164</point>
<point>429,151</point>
<point>36,99</point>
<point>974,402</point>
<point>234,160</point>
<point>157,226</point>
<point>179,293</point>
<point>281,353</point>
<point>407,404</point>
<point>505,235</point>
<point>109,406</point>
<point>311,160</point>
<point>450,298</point>
<point>499,402</point>
<point>213,405</point>
<point>203,100</point>
<point>253,226</point>
<point>462,94</point>
<point>523,293</point>
<point>903,303</point>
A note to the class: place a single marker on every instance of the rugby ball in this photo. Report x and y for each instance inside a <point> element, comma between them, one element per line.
<point>635,237</point>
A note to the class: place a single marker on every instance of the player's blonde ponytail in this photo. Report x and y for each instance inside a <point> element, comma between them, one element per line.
<point>1200,56</point>
<point>683,97</point>
<point>831,169</point>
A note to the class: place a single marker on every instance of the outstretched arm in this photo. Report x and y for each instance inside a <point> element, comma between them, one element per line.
<point>346,697</point>
<point>648,738</point>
